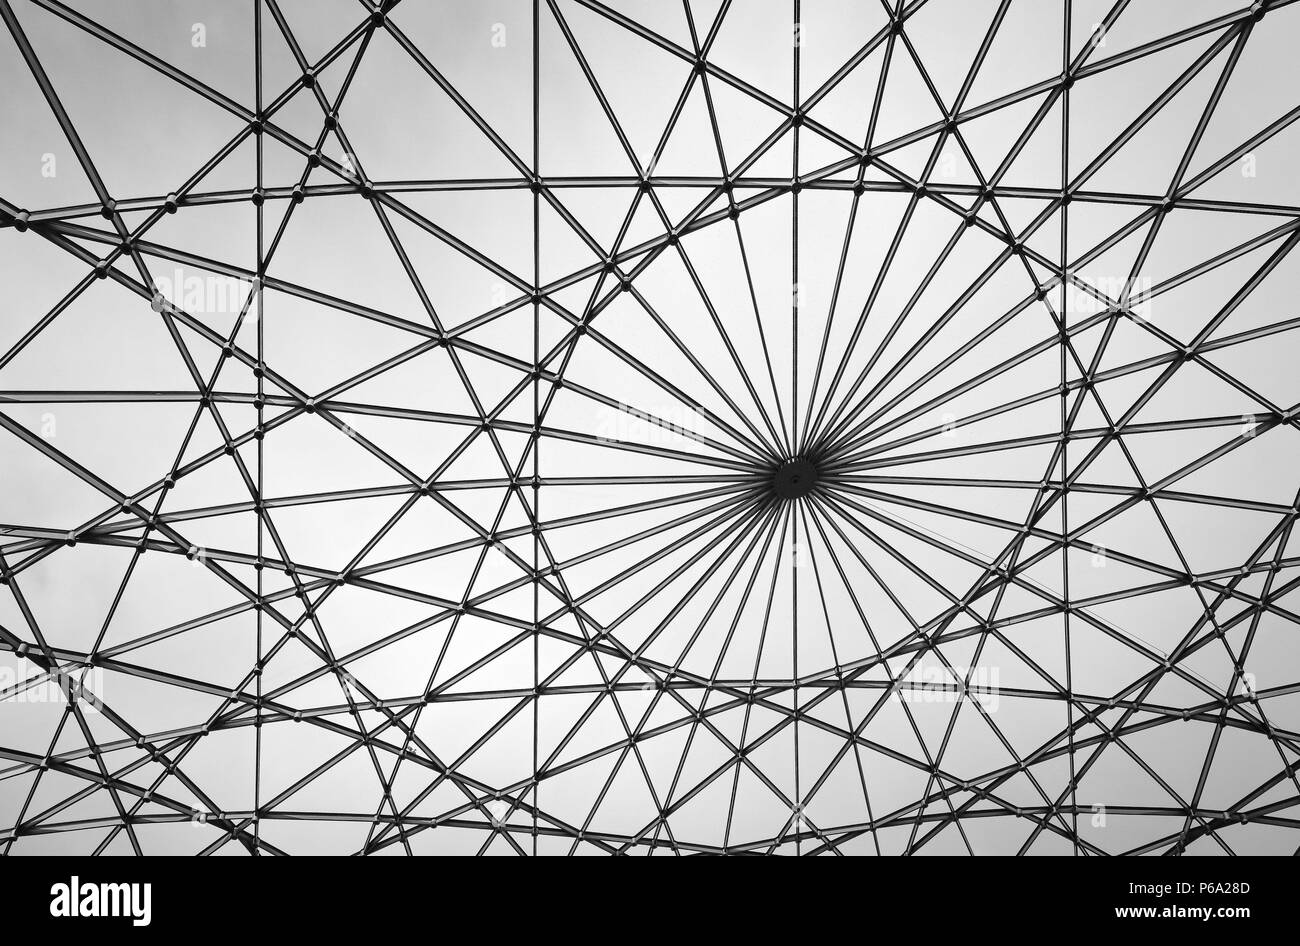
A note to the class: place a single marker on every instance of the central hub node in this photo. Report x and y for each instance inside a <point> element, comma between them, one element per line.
<point>794,478</point>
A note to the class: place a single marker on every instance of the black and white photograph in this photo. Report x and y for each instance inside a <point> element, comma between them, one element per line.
<point>650,427</point>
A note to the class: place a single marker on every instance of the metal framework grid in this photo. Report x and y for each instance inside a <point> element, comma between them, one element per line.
<point>764,629</point>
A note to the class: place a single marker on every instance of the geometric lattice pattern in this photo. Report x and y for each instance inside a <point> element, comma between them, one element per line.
<point>603,426</point>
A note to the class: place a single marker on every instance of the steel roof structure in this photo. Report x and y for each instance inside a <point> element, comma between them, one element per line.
<point>578,426</point>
